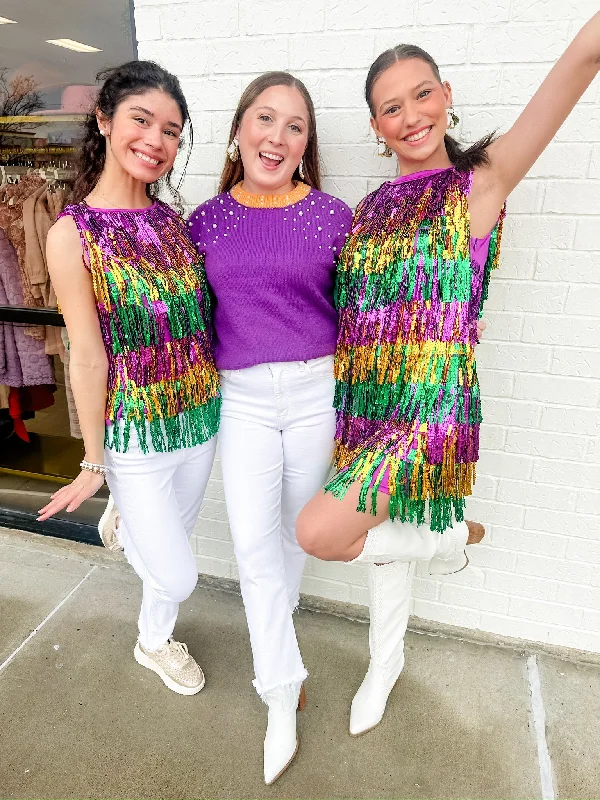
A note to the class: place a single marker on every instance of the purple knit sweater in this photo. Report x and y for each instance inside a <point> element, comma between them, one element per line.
<point>272,273</point>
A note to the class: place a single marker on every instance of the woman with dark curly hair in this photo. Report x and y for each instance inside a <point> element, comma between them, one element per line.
<point>132,289</point>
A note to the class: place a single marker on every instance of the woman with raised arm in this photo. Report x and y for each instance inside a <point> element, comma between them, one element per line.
<point>413,277</point>
<point>132,289</point>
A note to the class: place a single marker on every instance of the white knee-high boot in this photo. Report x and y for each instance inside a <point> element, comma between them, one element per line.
<point>389,602</point>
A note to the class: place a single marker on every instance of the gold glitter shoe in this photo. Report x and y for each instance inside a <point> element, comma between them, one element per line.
<point>107,527</point>
<point>174,665</point>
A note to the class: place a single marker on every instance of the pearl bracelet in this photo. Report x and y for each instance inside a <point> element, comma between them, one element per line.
<point>98,469</point>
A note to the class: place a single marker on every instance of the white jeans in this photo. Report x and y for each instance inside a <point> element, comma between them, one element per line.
<point>158,496</point>
<point>276,444</point>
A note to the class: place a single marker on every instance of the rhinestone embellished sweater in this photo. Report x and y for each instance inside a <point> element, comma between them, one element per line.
<point>271,269</point>
<point>154,311</point>
<point>411,285</point>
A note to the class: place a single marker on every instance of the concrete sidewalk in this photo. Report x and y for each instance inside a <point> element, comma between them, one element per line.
<point>79,718</point>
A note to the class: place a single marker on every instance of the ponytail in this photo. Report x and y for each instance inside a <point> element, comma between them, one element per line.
<point>475,155</point>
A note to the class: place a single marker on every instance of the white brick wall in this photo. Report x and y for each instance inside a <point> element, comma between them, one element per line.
<point>538,575</point>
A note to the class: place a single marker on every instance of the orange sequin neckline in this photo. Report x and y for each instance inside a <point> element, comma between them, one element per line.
<point>244,198</point>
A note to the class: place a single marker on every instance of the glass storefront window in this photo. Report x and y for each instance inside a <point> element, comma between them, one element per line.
<point>54,83</point>
<point>50,54</point>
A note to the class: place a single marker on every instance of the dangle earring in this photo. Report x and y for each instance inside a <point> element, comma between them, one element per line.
<point>383,149</point>
<point>453,118</point>
<point>233,151</point>
<point>301,169</point>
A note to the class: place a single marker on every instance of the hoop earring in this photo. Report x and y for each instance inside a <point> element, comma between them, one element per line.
<point>383,149</point>
<point>301,169</point>
<point>453,118</point>
<point>233,151</point>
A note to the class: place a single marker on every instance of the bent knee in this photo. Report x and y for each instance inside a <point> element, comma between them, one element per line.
<point>178,588</point>
<point>310,534</point>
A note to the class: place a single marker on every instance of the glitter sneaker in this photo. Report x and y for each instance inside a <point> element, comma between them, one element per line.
<point>107,527</point>
<point>174,665</point>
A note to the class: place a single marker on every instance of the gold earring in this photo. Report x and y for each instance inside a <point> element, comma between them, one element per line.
<point>233,151</point>
<point>301,169</point>
<point>383,148</point>
<point>453,118</point>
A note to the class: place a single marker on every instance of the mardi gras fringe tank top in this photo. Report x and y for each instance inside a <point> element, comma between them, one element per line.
<point>407,395</point>
<point>154,310</point>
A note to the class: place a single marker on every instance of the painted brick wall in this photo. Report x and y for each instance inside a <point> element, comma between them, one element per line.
<point>538,575</point>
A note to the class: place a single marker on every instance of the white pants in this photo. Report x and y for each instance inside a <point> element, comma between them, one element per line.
<point>276,445</point>
<point>158,496</point>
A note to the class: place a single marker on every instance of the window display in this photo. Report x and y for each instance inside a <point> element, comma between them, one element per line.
<point>48,68</point>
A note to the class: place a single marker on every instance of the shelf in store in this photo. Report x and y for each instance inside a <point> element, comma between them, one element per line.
<point>39,119</point>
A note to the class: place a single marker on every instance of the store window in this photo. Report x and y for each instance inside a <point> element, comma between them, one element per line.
<point>50,55</point>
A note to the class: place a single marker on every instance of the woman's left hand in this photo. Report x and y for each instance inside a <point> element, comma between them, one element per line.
<point>85,485</point>
<point>481,326</point>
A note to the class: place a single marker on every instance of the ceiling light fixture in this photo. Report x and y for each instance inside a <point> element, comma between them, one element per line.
<point>6,21</point>
<point>71,44</point>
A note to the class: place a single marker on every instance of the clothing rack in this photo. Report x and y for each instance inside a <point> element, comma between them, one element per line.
<point>21,315</point>
<point>46,457</point>
<point>25,315</point>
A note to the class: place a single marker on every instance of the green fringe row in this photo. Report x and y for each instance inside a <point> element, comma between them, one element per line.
<point>186,429</point>
<point>379,401</point>
<point>447,279</point>
<point>137,326</point>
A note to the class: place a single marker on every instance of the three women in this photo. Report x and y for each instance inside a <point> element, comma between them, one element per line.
<point>413,276</point>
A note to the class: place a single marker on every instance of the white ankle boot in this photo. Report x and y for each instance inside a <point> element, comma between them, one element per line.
<point>389,602</point>
<point>281,741</point>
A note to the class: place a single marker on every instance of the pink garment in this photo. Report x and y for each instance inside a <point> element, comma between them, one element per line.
<point>23,360</point>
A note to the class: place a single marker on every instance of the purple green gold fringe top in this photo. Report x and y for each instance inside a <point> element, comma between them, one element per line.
<point>407,394</point>
<point>154,311</point>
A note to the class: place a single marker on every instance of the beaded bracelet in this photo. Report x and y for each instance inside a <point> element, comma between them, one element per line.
<point>98,469</point>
